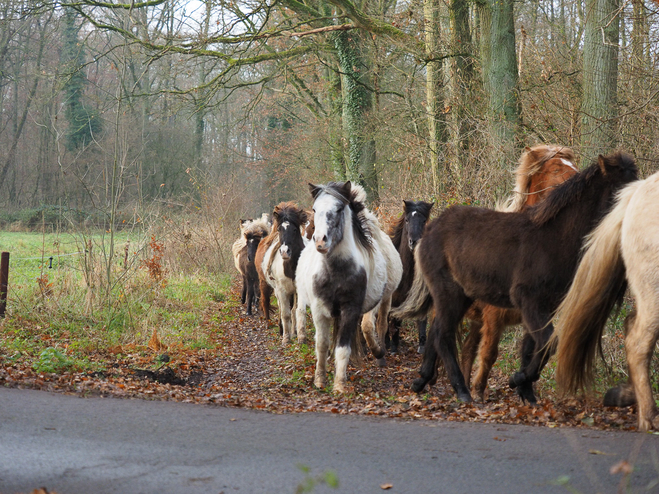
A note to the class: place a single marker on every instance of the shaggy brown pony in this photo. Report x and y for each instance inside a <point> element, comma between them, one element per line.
<point>523,260</point>
<point>541,169</point>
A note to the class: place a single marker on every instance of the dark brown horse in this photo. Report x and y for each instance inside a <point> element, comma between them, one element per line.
<point>523,260</point>
<point>405,234</point>
<point>541,169</point>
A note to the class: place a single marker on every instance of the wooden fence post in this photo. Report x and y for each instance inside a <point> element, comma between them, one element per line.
<point>4,280</point>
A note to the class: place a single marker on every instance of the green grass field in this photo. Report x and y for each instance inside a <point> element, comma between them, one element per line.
<point>64,303</point>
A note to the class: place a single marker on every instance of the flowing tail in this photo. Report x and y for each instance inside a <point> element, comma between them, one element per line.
<point>598,284</point>
<point>418,300</point>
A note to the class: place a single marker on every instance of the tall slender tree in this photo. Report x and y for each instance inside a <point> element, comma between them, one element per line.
<point>83,122</point>
<point>600,77</point>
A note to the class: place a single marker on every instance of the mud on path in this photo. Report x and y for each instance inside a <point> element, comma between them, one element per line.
<point>249,368</point>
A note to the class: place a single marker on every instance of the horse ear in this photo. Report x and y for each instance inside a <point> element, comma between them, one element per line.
<point>347,187</point>
<point>601,161</point>
<point>315,190</point>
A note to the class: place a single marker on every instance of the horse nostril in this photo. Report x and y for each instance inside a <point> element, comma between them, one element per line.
<point>324,238</point>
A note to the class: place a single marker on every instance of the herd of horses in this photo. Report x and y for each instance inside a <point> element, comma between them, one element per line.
<point>565,248</point>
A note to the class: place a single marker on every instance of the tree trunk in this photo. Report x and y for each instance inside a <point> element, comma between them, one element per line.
<point>500,75</point>
<point>357,104</point>
<point>460,86</point>
<point>434,87</point>
<point>600,78</point>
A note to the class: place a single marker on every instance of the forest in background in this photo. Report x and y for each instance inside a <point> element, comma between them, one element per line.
<point>118,113</point>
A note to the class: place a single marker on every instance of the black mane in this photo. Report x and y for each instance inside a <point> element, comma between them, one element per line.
<point>572,189</point>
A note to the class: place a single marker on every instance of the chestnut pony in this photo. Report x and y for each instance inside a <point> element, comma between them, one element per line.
<point>524,260</point>
<point>541,168</point>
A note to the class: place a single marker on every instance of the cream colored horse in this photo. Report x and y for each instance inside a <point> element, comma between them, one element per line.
<point>624,245</point>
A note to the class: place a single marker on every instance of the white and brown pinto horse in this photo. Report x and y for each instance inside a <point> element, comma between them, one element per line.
<point>623,248</point>
<point>276,263</point>
<point>349,270</point>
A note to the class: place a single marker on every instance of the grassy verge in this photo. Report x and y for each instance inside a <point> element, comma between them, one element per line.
<point>70,296</point>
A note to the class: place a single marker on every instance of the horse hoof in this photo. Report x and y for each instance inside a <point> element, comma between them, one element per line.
<point>516,379</point>
<point>620,396</point>
<point>421,349</point>
<point>394,350</point>
<point>527,395</point>
<point>382,362</point>
<point>655,423</point>
<point>339,388</point>
<point>418,385</point>
<point>464,397</point>
<point>302,341</point>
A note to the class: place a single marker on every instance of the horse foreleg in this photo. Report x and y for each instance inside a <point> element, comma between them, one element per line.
<point>283,300</point>
<point>348,322</point>
<point>382,324</point>
<point>322,324</point>
<point>421,325</point>
<point>640,344</point>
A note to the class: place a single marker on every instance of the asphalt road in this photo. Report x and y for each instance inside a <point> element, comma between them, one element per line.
<point>97,445</point>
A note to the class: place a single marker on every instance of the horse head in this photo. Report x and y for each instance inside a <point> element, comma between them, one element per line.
<point>330,212</point>
<point>416,217</point>
<point>253,240</point>
<point>288,219</point>
<point>618,168</point>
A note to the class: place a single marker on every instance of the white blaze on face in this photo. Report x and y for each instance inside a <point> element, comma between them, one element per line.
<point>567,163</point>
<point>285,225</point>
<point>325,206</point>
<point>413,213</point>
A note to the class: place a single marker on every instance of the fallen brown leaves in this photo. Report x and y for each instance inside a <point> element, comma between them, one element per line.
<point>250,369</point>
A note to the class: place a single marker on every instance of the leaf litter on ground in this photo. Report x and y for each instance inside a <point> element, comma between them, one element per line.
<point>249,368</point>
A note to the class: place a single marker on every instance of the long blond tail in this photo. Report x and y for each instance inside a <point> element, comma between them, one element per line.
<point>418,299</point>
<point>598,284</point>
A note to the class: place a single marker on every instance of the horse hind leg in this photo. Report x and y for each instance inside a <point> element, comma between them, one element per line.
<point>491,332</point>
<point>640,344</point>
<point>470,349</point>
<point>371,336</point>
<point>442,342</point>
